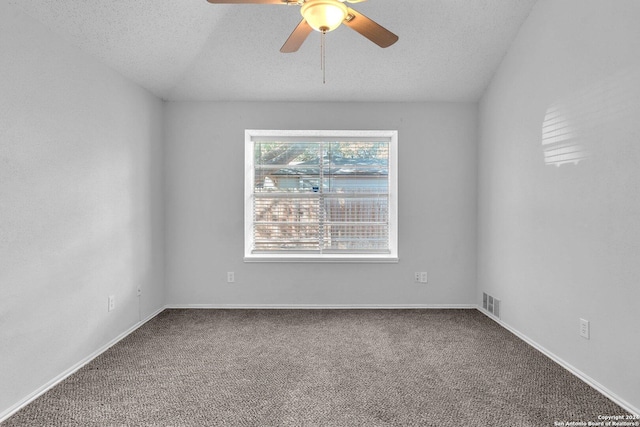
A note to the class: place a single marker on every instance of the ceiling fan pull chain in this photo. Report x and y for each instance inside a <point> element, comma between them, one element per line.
<point>322,54</point>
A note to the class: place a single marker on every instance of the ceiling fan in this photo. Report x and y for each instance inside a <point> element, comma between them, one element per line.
<point>324,16</point>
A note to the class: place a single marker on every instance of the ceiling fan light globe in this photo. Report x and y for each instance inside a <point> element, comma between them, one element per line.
<point>324,15</point>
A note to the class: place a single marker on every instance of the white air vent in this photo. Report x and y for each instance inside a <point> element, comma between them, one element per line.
<point>491,304</point>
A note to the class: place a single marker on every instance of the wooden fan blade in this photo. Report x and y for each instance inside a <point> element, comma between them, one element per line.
<point>248,1</point>
<point>370,29</point>
<point>297,37</point>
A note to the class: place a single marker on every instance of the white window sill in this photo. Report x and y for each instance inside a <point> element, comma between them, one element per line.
<point>375,259</point>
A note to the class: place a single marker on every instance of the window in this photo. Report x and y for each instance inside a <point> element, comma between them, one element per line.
<point>321,196</point>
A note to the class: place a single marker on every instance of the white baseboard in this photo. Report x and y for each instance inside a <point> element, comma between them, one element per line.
<point>61,377</point>
<point>324,306</point>
<point>578,373</point>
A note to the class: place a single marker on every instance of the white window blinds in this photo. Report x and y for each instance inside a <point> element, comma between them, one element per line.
<point>321,196</point>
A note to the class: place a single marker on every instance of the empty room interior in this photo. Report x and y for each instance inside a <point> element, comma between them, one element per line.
<point>184,177</point>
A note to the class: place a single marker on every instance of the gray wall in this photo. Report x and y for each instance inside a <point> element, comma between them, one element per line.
<point>204,197</point>
<point>80,204</point>
<point>559,241</point>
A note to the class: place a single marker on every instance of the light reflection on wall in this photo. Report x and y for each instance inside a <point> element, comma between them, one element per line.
<point>574,126</point>
<point>560,140</point>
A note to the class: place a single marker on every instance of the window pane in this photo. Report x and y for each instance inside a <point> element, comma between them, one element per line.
<point>357,238</point>
<point>286,166</point>
<point>281,209</point>
<point>285,153</point>
<point>356,167</point>
<point>285,236</point>
<point>356,223</point>
<point>285,223</point>
<point>357,209</point>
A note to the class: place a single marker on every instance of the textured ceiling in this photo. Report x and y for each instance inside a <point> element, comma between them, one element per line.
<point>193,50</point>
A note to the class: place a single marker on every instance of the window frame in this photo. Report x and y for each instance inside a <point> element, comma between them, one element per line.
<point>390,136</point>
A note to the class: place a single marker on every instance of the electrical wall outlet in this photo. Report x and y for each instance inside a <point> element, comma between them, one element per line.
<point>231,277</point>
<point>112,303</point>
<point>420,276</point>
<point>584,328</point>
